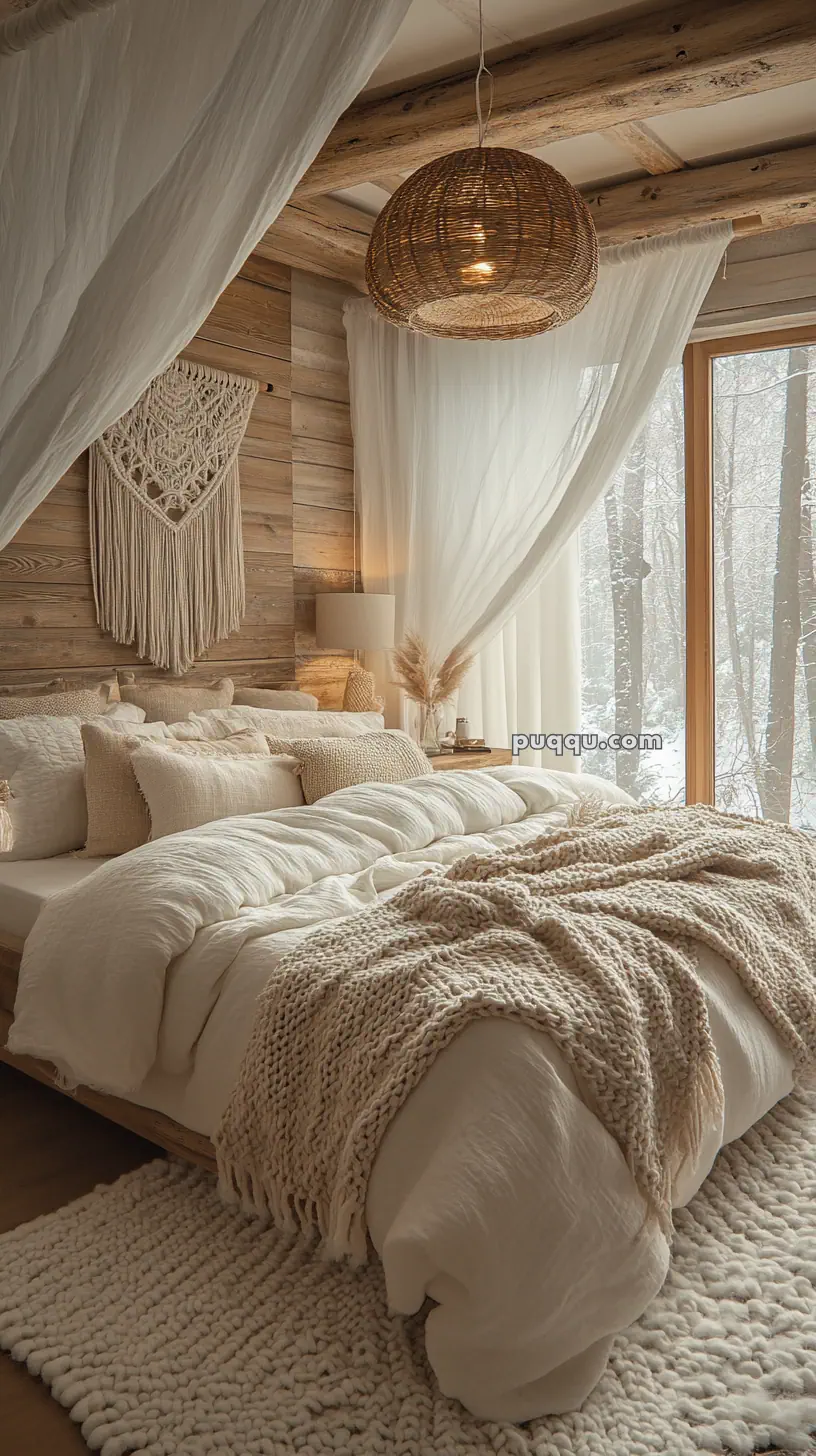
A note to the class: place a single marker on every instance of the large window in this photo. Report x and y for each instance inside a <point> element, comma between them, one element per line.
<point>698,590</point>
<point>765,605</point>
<point>632,609</point>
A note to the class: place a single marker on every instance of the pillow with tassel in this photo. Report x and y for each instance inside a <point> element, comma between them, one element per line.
<point>6,826</point>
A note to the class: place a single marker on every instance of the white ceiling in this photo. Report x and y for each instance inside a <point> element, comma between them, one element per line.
<point>437,34</point>
<point>432,35</point>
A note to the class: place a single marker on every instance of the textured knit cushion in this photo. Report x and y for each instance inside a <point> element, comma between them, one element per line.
<point>280,699</point>
<point>172,702</point>
<point>277,724</point>
<point>182,792</point>
<point>118,817</point>
<point>328,764</point>
<point>359,695</point>
<point>84,701</point>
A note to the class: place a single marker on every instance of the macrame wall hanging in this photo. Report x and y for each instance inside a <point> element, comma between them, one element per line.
<point>166,548</point>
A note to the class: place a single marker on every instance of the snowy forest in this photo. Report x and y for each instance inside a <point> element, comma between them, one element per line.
<point>633,582</point>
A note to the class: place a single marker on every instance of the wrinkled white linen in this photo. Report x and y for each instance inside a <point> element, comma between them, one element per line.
<point>193,901</point>
<point>496,1190</point>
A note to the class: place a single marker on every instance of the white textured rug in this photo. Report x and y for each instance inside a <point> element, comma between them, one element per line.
<point>168,1324</point>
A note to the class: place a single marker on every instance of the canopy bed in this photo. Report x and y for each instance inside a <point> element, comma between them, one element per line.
<point>491,1026</point>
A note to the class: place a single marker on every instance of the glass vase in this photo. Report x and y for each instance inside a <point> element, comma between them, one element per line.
<point>430,716</point>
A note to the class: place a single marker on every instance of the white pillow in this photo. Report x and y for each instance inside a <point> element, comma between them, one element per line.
<point>44,762</point>
<point>278,724</point>
<point>182,793</point>
<point>124,713</point>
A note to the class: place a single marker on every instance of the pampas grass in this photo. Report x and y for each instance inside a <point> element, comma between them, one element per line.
<point>423,679</point>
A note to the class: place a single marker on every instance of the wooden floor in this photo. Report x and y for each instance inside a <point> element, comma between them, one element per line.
<point>51,1151</point>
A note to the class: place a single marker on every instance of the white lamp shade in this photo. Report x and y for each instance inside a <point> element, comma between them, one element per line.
<point>354,620</point>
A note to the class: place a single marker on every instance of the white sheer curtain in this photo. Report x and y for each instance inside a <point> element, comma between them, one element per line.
<point>476,463</point>
<point>145,146</point>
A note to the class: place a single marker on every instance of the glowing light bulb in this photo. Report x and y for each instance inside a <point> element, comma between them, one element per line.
<point>478,270</point>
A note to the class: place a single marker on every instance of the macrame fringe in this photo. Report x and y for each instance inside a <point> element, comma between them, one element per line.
<point>172,594</point>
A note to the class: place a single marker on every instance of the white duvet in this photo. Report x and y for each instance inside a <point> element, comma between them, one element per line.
<point>496,1191</point>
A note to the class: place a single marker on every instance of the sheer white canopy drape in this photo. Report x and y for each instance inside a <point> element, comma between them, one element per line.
<point>476,463</point>
<point>145,147</point>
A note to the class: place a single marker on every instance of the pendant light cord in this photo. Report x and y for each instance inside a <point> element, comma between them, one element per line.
<point>484,122</point>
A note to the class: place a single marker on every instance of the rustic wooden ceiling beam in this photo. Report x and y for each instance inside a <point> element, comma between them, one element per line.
<point>775,190</point>
<point>682,55</point>
<point>646,148</point>
<point>779,186</point>
<point>321,235</point>
<point>388,184</point>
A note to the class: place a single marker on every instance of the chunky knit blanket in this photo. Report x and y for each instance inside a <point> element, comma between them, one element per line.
<point>588,934</point>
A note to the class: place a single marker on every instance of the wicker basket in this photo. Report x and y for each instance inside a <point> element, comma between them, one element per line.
<point>486,243</point>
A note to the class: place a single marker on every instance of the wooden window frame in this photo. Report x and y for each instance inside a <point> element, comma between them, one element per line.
<point>699,467</point>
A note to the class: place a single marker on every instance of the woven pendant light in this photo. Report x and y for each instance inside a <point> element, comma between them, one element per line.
<point>486,243</point>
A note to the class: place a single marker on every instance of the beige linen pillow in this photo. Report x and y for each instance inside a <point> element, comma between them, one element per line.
<point>328,764</point>
<point>172,702</point>
<point>280,699</point>
<point>183,793</point>
<point>118,817</point>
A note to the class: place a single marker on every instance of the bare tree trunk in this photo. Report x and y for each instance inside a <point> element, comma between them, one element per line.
<point>678,616</point>
<point>627,569</point>
<point>775,790</point>
<point>807,598</point>
<point>725,504</point>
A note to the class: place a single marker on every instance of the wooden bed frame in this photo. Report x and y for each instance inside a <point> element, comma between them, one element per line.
<point>154,1126</point>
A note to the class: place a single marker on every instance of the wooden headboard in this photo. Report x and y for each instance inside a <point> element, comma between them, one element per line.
<point>285,329</point>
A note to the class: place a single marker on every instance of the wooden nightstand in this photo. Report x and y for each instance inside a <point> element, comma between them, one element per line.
<point>491,758</point>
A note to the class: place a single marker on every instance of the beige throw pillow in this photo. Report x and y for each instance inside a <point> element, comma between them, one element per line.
<point>172,702</point>
<point>281,699</point>
<point>328,764</point>
<point>183,793</point>
<point>118,817</point>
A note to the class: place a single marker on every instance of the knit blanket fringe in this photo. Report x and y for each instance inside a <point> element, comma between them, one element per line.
<point>589,935</point>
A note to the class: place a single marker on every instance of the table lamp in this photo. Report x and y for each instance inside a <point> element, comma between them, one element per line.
<point>357,622</point>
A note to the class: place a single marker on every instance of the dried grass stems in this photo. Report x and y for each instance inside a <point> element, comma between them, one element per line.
<point>421,677</point>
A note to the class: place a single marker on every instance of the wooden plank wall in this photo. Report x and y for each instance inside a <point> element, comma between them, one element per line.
<point>322,472</point>
<point>299,428</point>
